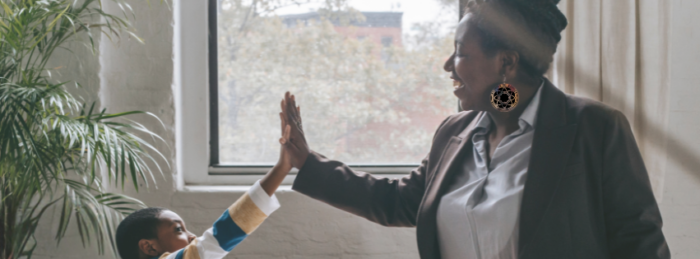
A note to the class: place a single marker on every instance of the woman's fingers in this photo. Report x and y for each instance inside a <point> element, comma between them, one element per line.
<point>292,112</point>
<point>295,107</point>
<point>286,109</point>
<point>298,119</point>
<point>293,118</point>
<point>292,148</point>
<point>289,115</point>
<point>291,105</point>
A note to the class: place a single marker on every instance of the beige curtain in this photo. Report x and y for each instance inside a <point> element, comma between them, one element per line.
<point>617,52</point>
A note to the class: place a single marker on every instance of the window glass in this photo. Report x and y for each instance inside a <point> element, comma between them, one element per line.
<point>367,75</point>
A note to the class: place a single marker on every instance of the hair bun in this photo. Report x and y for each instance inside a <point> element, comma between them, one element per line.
<point>546,13</point>
<point>541,2</point>
<point>538,2</point>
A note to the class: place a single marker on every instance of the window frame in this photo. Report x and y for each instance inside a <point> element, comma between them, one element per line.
<point>196,54</point>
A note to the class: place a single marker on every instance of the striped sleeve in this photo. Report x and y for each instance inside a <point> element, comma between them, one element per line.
<point>234,225</point>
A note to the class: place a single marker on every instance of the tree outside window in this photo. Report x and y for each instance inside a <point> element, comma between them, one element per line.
<point>372,90</point>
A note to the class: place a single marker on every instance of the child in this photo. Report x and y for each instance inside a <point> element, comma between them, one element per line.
<point>160,233</point>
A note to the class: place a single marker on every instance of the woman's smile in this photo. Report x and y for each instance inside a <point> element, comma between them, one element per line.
<point>458,87</point>
<point>457,84</point>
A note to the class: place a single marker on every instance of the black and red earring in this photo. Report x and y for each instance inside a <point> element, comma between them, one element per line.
<point>505,97</point>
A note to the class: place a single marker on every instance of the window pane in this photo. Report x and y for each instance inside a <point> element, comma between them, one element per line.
<point>367,75</point>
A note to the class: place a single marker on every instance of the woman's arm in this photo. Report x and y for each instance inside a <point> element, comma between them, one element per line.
<point>633,220</point>
<point>389,202</point>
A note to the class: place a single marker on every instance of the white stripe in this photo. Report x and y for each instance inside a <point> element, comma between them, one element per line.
<point>170,256</point>
<point>265,203</point>
<point>208,247</point>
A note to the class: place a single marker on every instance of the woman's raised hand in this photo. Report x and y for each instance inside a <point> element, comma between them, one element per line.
<point>293,137</point>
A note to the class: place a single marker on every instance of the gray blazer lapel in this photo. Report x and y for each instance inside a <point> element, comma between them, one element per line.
<point>457,147</point>
<point>450,155</point>
<point>551,145</point>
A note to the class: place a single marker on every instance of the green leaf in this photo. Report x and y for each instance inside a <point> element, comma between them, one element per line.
<point>53,146</point>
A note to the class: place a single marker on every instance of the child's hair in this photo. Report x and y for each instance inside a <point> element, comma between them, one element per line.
<point>142,224</point>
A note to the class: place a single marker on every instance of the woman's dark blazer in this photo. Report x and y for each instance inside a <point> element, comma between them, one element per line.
<point>587,193</point>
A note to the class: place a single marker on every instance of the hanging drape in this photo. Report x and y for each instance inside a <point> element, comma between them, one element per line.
<point>617,52</point>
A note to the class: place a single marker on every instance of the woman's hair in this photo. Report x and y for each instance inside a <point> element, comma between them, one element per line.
<point>530,27</point>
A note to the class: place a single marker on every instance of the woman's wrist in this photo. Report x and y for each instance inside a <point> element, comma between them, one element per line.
<point>303,159</point>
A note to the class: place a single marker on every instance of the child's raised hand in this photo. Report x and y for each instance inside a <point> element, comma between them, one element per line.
<point>284,161</point>
<point>294,140</point>
<point>272,180</point>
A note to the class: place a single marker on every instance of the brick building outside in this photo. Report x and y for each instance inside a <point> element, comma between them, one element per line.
<point>382,28</point>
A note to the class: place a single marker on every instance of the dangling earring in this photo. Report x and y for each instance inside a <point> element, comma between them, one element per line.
<point>504,98</point>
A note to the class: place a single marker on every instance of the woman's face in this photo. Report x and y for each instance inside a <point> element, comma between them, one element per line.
<point>475,73</point>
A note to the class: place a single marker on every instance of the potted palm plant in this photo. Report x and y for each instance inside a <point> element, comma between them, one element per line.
<point>56,151</point>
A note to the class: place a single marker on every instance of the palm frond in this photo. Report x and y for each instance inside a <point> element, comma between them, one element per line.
<point>53,147</point>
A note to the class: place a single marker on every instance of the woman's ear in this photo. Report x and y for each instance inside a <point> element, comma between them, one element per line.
<point>510,62</point>
<point>149,247</point>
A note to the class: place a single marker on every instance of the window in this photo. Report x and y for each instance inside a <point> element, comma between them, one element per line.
<point>361,104</point>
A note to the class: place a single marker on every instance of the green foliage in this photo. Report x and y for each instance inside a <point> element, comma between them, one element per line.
<point>55,152</point>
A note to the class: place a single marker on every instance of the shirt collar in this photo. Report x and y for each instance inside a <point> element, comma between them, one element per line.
<point>529,114</point>
<point>484,123</point>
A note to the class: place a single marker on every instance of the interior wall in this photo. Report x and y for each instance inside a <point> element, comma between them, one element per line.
<point>134,76</point>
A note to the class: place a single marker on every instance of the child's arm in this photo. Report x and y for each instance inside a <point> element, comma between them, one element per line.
<point>274,178</point>
<point>234,225</point>
<point>243,217</point>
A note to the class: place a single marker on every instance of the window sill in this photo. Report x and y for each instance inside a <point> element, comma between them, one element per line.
<point>233,179</point>
<point>227,176</point>
<point>228,189</point>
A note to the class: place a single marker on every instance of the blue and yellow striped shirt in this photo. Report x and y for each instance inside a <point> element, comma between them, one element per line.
<point>239,221</point>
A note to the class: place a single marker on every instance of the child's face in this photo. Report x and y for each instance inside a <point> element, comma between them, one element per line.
<point>172,234</point>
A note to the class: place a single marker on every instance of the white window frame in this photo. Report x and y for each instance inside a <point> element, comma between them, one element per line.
<point>191,93</point>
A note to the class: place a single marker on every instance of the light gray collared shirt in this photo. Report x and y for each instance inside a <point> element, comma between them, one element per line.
<point>478,217</point>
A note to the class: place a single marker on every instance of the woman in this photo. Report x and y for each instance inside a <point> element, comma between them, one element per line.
<point>537,174</point>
